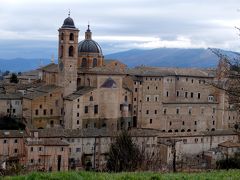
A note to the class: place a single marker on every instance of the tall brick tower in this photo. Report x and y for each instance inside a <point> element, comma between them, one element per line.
<point>68,56</point>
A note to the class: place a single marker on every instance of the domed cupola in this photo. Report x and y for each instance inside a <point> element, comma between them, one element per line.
<point>68,22</point>
<point>89,52</point>
<point>88,45</point>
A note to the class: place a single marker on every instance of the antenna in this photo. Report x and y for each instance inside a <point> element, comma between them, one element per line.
<point>52,59</point>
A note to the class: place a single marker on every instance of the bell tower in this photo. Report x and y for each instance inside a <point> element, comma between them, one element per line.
<point>68,56</point>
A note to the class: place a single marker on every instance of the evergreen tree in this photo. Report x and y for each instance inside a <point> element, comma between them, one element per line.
<point>14,78</point>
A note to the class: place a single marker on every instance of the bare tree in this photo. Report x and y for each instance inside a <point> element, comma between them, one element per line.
<point>228,76</point>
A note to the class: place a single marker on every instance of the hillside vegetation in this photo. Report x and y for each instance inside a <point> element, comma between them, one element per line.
<point>231,175</point>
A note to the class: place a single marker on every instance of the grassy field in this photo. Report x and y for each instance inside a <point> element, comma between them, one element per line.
<point>229,175</point>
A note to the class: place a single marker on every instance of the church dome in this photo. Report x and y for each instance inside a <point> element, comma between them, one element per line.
<point>89,46</point>
<point>68,23</point>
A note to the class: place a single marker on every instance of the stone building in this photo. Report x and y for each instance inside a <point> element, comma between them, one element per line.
<point>43,107</point>
<point>11,105</point>
<point>46,154</point>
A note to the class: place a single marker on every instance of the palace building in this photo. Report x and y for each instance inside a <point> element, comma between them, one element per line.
<point>78,105</point>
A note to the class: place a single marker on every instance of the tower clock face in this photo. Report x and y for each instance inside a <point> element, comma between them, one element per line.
<point>61,66</point>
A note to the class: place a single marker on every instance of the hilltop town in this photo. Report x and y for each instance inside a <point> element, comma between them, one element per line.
<point>73,111</point>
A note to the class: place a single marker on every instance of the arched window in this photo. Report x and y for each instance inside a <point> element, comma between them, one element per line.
<point>176,130</point>
<point>70,51</point>
<point>62,36</point>
<point>71,37</point>
<point>61,52</point>
<point>84,62</point>
<point>170,130</point>
<point>182,130</point>
<point>213,129</point>
<point>189,130</point>
<point>95,62</point>
<point>78,82</point>
<point>91,98</point>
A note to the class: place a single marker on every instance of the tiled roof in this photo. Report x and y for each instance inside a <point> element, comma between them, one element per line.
<point>41,91</point>
<point>11,96</point>
<point>12,134</point>
<point>229,144</point>
<point>47,142</point>
<point>104,70</point>
<point>50,68</point>
<point>80,92</point>
<point>71,133</point>
<point>164,71</point>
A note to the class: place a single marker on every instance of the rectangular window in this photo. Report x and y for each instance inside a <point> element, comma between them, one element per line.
<point>177,93</point>
<point>155,111</point>
<point>214,110</point>
<point>136,89</point>
<point>77,114</point>
<point>86,109</point>
<point>51,111</point>
<point>147,111</point>
<point>190,111</point>
<point>14,110</point>
<point>44,112</point>
<point>167,94</point>
<point>191,94</point>
<point>78,150</point>
<point>186,94</point>
<point>199,95</point>
<point>177,111</point>
<point>15,150</point>
<point>36,112</point>
<point>40,149</point>
<point>15,141</point>
<point>129,107</point>
<point>165,111</point>
<point>95,109</point>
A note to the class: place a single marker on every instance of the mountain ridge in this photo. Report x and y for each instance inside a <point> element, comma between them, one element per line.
<point>164,57</point>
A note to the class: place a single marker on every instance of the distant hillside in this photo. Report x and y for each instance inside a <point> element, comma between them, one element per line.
<point>166,57</point>
<point>169,57</point>
<point>21,64</point>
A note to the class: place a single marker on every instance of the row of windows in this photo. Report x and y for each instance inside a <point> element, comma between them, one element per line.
<point>71,36</point>
<point>44,112</point>
<point>40,149</point>
<point>6,141</point>
<point>155,98</point>
<point>13,110</point>
<point>177,78</point>
<point>16,102</point>
<point>86,110</point>
<point>178,111</point>
<point>70,51</point>
<point>85,62</point>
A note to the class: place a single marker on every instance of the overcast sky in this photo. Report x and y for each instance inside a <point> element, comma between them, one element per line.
<point>121,25</point>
